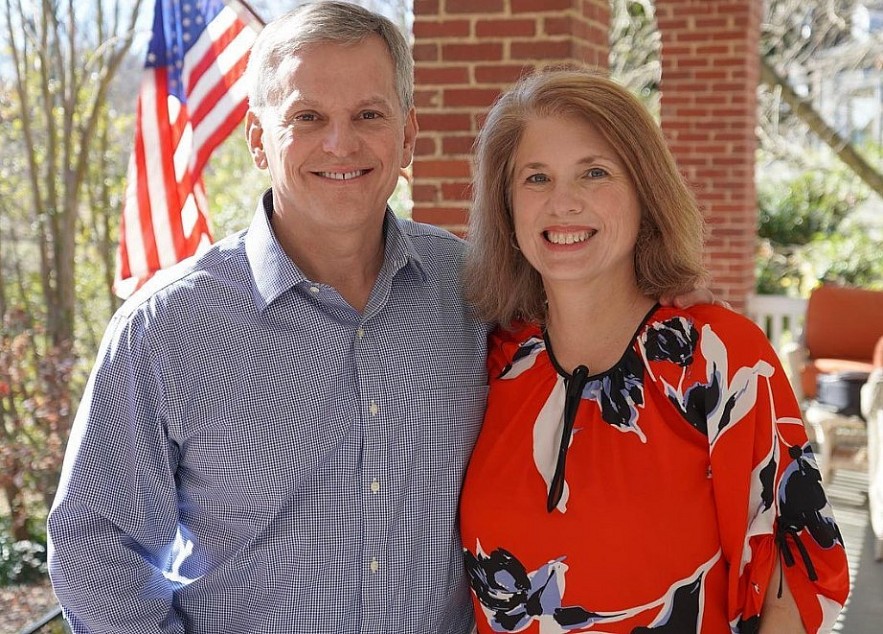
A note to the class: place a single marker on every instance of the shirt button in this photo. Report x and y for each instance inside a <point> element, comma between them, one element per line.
<point>374,566</point>
<point>375,486</point>
<point>314,290</point>
<point>373,408</point>
<point>360,332</point>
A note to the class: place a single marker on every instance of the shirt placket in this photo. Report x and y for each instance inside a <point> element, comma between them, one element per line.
<point>375,479</point>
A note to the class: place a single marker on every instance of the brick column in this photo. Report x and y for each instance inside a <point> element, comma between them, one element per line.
<point>466,52</point>
<point>710,73</point>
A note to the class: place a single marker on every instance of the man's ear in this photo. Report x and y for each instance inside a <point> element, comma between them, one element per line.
<point>411,129</point>
<point>254,136</point>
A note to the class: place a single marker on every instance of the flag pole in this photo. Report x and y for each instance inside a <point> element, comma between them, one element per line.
<point>249,15</point>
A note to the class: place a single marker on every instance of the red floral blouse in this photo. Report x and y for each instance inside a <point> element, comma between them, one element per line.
<point>653,497</point>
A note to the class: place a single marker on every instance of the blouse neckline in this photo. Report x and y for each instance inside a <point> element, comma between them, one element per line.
<point>568,375</point>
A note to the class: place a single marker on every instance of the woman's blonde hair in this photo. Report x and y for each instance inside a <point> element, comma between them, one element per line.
<point>499,281</point>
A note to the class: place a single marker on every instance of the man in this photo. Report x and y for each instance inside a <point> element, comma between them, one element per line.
<point>274,435</point>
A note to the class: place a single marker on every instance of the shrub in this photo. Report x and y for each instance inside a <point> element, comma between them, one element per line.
<point>806,235</point>
<point>20,561</point>
<point>801,211</point>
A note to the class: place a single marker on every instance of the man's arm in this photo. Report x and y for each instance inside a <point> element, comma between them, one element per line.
<point>115,515</point>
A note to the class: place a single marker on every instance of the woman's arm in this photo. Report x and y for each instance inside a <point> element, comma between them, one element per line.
<point>779,614</point>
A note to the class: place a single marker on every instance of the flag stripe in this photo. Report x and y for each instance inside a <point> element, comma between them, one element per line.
<point>162,186</point>
<point>190,100</point>
<point>211,55</point>
<point>144,224</point>
<point>225,115</point>
<point>214,92</point>
<point>220,130</point>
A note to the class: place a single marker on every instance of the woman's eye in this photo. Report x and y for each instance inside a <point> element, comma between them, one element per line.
<point>537,178</point>
<point>596,172</point>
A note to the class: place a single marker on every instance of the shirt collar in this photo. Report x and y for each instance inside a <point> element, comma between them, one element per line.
<point>273,272</point>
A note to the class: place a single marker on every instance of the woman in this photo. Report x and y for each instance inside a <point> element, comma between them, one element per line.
<point>640,468</point>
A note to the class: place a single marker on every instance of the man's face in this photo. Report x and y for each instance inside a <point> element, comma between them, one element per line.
<point>335,138</point>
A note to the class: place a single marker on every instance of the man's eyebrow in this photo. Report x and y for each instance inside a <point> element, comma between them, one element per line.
<point>298,104</point>
<point>375,102</point>
<point>310,104</point>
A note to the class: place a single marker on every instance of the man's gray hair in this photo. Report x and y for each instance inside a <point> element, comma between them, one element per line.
<point>324,21</point>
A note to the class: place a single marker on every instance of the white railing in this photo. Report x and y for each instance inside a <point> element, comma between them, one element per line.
<point>780,317</point>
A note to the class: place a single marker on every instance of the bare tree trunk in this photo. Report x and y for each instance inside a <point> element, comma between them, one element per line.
<point>18,515</point>
<point>60,78</point>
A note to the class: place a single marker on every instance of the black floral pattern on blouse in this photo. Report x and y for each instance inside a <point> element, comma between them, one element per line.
<point>749,626</point>
<point>675,340</point>
<point>802,500</point>
<point>502,584</point>
<point>671,340</point>
<point>699,399</point>
<point>619,392</point>
<point>684,613</point>
<point>768,479</point>
<point>516,597</point>
<point>524,350</point>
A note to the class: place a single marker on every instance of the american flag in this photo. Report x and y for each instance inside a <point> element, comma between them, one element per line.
<point>192,96</point>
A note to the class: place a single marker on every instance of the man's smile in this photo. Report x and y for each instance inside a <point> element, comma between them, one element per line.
<point>342,176</point>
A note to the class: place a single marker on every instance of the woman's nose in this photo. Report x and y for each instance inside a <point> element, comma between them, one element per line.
<point>565,199</point>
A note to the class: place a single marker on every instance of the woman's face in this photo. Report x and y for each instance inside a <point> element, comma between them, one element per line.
<point>576,211</point>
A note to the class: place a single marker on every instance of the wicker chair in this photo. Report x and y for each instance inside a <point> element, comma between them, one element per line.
<point>872,408</point>
<point>841,328</point>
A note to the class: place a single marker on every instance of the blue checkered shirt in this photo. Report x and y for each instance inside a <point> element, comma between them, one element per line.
<point>253,455</point>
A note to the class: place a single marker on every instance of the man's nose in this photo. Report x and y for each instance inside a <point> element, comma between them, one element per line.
<point>341,139</point>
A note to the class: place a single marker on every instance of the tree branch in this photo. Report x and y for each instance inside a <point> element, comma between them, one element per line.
<point>840,145</point>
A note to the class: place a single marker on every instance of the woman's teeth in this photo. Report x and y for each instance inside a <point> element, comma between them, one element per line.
<point>559,237</point>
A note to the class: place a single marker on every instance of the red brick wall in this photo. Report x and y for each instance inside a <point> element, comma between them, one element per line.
<point>710,74</point>
<point>466,52</point>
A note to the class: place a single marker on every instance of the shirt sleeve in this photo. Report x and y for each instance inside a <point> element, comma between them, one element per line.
<point>768,488</point>
<point>113,524</point>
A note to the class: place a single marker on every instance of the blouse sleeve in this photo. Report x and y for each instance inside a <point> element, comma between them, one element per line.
<point>510,347</point>
<point>767,485</point>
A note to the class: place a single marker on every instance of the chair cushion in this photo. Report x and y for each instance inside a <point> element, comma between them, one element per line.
<point>843,322</point>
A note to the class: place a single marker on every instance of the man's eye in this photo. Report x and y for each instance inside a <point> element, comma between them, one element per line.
<point>370,114</point>
<point>305,116</point>
<point>537,178</point>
